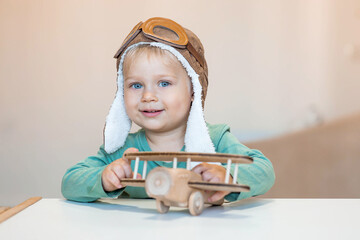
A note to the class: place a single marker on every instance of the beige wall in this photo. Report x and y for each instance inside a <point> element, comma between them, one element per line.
<point>275,66</point>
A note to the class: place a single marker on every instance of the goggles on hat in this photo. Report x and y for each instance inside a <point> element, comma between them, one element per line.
<point>147,29</point>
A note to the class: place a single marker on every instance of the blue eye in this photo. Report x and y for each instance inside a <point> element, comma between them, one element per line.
<point>164,84</point>
<point>136,85</point>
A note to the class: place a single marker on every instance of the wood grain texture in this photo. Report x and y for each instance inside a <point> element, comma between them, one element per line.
<point>178,191</point>
<point>132,182</point>
<point>212,186</point>
<point>18,208</point>
<point>183,156</point>
<point>3,209</point>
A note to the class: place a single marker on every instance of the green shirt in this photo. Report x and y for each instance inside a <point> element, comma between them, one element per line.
<point>82,182</point>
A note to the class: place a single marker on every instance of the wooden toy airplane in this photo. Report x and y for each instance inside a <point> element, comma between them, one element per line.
<point>182,187</point>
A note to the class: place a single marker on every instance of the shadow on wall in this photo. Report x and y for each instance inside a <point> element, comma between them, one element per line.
<point>323,161</point>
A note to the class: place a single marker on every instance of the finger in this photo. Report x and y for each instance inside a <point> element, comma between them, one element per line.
<point>199,169</point>
<point>113,180</point>
<point>214,179</point>
<point>129,150</point>
<point>127,169</point>
<point>138,176</point>
<point>217,196</point>
<point>118,170</point>
<point>211,175</point>
<point>207,176</point>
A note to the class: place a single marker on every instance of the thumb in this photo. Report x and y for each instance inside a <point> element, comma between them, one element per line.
<point>129,150</point>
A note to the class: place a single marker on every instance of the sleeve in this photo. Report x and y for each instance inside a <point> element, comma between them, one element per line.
<point>82,182</point>
<point>259,175</point>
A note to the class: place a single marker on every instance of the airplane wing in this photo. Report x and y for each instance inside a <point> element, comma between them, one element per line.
<point>132,182</point>
<point>212,186</point>
<point>184,156</point>
<point>189,158</point>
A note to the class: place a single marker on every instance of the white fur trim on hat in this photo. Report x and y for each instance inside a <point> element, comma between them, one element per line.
<point>118,124</point>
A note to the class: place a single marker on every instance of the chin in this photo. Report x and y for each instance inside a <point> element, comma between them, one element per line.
<point>155,128</point>
<point>152,127</point>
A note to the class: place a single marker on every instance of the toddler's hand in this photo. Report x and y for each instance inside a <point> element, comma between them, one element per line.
<point>213,173</point>
<point>115,171</point>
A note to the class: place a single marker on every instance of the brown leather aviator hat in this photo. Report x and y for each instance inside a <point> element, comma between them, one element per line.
<point>169,32</point>
<point>187,48</point>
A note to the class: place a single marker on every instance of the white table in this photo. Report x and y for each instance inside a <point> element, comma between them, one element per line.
<point>138,219</point>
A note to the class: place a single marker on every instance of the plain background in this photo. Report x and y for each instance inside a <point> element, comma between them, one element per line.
<point>275,66</point>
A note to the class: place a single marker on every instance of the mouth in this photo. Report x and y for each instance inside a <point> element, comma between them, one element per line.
<point>151,112</point>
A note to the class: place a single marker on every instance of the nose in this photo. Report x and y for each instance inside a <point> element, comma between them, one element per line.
<point>149,96</point>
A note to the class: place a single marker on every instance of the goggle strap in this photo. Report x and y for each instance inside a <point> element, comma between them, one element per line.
<point>195,54</point>
<point>124,45</point>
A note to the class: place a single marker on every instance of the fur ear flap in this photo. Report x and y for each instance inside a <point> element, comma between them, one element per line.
<point>117,127</point>
<point>118,124</point>
<point>197,137</point>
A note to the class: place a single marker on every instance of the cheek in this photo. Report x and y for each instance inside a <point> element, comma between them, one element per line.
<point>130,101</point>
<point>180,101</point>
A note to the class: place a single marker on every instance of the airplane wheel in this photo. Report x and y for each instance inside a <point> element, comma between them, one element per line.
<point>196,203</point>
<point>161,207</point>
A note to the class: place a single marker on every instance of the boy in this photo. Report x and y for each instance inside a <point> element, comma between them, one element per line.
<point>162,85</point>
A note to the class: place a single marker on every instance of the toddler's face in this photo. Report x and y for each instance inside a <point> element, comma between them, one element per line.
<point>157,94</point>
